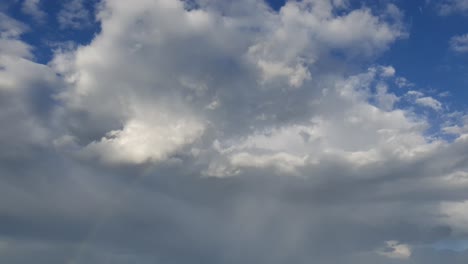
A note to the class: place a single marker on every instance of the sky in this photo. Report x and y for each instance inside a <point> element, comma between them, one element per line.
<point>248,131</point>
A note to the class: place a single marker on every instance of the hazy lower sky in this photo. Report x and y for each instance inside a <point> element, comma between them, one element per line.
<point>228,132</point>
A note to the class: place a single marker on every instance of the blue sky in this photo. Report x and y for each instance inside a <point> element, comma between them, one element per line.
<point>248,131</point>
<point>425,56</point>
<point>47,29</point>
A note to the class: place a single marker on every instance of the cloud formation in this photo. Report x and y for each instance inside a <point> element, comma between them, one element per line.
<point>448,7</point>
<point>74,15</point>
<point>225,132</point>
<point>32,8</point>
<point>459,43</point>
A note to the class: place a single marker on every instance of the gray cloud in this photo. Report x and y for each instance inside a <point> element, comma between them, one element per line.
<point>208,135</point>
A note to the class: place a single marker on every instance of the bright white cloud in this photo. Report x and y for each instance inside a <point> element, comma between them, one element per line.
<point>315,30</point>
<point>151,139</point>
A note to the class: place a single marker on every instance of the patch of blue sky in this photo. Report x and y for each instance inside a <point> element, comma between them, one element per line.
<point>44,36</point>
<point>425,57</point>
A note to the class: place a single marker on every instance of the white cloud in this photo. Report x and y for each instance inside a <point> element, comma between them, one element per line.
<point>151,136</point>
<point>386,100</point>
<point>22,85</point>
<point>10,31</point>
<point>296,76</point>
<point>459,43</point>
<point>353,131</point>
<point>32,7</point>
<point>421,99</point>
<point>459,128</point>
<point>315,31</point>
<point>402,82</point>
<point>142,38</point>
<point>414,93</point>
<point>428,101</point>
<point>388,71</point>
<point>448,7</point>
<point>74,15</point>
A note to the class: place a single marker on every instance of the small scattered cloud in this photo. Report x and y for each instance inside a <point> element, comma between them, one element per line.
<point>459,43</point>
<point>33,8</point>
<point>458,128</point>
<point>402,82</point>
<point>414,93</point>
<point>395,250</point>
<point>449,7</point>
<point>421,99</point>
<point>430,102</point>
<point>445,94</point>
<point>74,15</point>
<point>388,71</point>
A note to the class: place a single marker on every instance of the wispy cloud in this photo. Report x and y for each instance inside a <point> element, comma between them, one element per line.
<point>459,43</point>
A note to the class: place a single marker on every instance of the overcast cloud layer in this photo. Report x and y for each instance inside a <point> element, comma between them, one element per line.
<point>227,132</point>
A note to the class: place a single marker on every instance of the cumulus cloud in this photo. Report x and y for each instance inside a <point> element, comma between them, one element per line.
<point>358,32</point>
<point>200,132</point>
<point>10,31</point>
<point>24,86</point>
<point>151,139</point>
